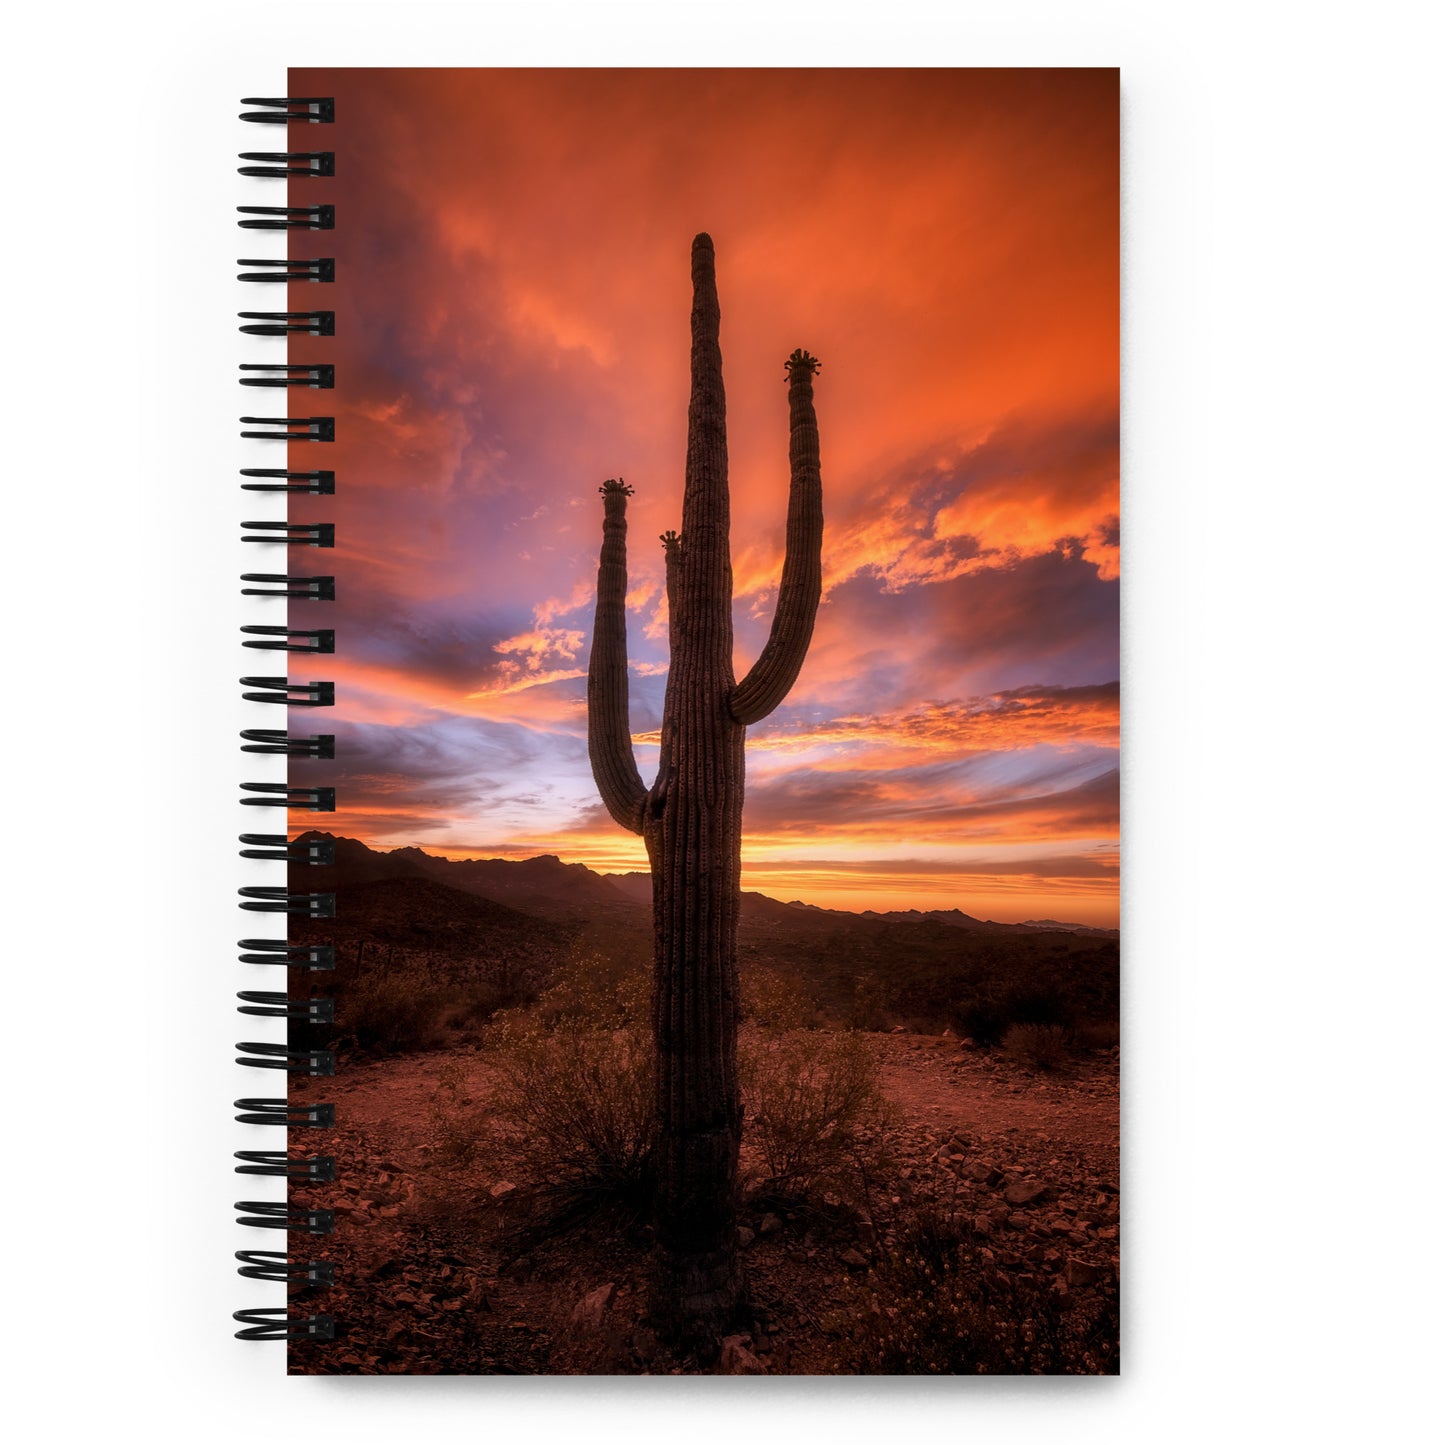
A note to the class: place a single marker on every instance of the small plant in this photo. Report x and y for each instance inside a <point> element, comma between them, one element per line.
<point>390,1013</point>
<point>598,990</point>
<point>1038,1046</point>
<point>459,1123</point>
<point>812,1101</point>
<point>1097,1034</point>
<point>774,1002</point>
<point>577,1100</point>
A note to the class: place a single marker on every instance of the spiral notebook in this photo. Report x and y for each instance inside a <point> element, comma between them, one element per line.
<point>692,943</point>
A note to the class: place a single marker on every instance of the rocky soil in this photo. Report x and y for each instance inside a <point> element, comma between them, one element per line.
<point>442,1270</point>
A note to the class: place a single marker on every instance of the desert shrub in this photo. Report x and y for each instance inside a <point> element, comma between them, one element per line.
<point>459,1122</point>
<point>937,1304</point>
<point>598,990</point>
<point>812,1104</point>
<point>1097,1034</point>
<point>577,1101</point>
<point>1039,1046</point>
<point>773,1001</point>
<point>989,1014</point>
<point>868,1007</point>
<point>390,1013</point>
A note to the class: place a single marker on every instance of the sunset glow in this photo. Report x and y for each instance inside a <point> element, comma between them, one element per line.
<point>513,290</point>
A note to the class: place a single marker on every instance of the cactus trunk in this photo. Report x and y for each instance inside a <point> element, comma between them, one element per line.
<point>691,819</point>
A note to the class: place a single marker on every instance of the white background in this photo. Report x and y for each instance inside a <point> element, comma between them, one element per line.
<point>1283,325</point>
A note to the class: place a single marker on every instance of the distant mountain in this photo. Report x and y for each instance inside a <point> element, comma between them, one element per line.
<point>572,892</point>
<point>544,885</point>
<point>637,886</point>
<point>1052,925</point>
<point>513,921</point>
<point>950,916</point>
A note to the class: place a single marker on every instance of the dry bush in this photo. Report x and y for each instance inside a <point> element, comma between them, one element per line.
<point>812,1102</point>
<point>598,990</point>
<point>1038,1046</point>
<point>577,1100</point>
<point>1097,1034</point>
<point>936,1304</point>
<point>772,1001</point>
<point>459,1121</point>
<point>390,1013</point>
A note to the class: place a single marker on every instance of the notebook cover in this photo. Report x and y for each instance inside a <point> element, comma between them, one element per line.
<point>838,1092</point>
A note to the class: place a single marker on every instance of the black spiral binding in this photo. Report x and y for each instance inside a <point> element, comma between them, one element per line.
<point>297,589</point>
<point>271,1264</point>
<point>288,323</point>
<point>295,1320</point>
<point>288,218</point>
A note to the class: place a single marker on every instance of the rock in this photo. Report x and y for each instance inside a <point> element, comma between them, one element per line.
<point>1079,1273</point>
<point>1019,1221</point>
<point>853,1259</point>
<point>949,1034</point>
<point>982,1224</point>
<point>771,1224</point>
<point>898,1029</point>
<point>587,1316</point>
<point>1026,1192</point>
<point>982,1173</point>
<point>737,1359</point>
<point>745,1236</point>
<point>501,1189</point>
<point>967,1044</point>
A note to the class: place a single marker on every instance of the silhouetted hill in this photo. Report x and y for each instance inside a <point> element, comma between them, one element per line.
<point>871,969</point>
<point>544,886</point>
<point>411,920</point>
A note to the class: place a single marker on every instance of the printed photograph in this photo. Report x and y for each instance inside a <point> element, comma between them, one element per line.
<point>725,856</point>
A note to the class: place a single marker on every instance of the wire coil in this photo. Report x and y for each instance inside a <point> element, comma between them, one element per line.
<point>281,1114</point>
<point>280,1324</point>
<point>276,1163</point>
<point>315,1063</point>
<point>282,165</point>
<point>288,323</point>
<point>273,1264</point>
<point>288,218</point>
<point>314,852</point>
<point>277,740</point>
<point>293,534</point>
<point>297,589</point>
<point>290,374</point>
<point>281,900</point>
<point>264,1005</point>
<point>281,795</point>
<point>291,428</point>
<point>278,110</point>
<point>311,484</point>
<point>320,269</point>
<point>292,1007</point>
<point>316,957</point>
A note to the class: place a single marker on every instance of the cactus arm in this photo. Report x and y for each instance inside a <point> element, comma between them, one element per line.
<point>609,735</point>
<point>777,667</point>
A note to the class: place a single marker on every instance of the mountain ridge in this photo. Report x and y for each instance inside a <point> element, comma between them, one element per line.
<point>575,891</point>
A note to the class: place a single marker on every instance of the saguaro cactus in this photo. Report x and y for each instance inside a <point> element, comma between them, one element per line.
<point>691,817</point>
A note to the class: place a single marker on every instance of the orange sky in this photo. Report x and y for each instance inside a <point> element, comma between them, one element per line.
<point>512,293</point>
